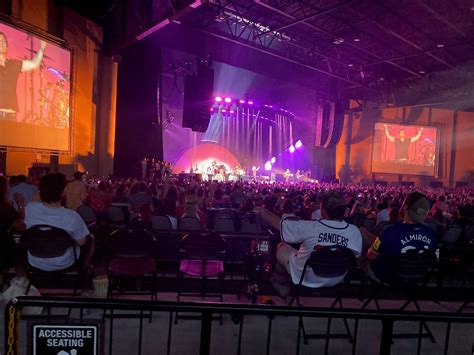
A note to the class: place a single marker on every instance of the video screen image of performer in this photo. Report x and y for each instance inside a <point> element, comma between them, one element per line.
<point>402,143</point>
<point>34,79</point>
<point>404,149</point>
<point>10,69</point>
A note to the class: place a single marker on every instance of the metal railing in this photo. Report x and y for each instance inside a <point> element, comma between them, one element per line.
<point>110,309</point>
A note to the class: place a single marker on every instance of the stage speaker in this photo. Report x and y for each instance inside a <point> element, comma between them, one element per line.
<point>198,99</point>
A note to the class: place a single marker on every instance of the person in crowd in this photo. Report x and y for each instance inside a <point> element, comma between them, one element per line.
<point>50,212</point>
<point>27,190</point>
<point>236,196</point>
<point>412,234</point>
<point>120,195</point>
<point>10,220</point>
<point>218,200</point>
<point>331,230</point>
<point>288,210</point>
<point>248,206</point>
<point>100,199</point>
<point>75,192</point>
<point>142,197</point>
<point>382,213</point>
<point>440,204</point>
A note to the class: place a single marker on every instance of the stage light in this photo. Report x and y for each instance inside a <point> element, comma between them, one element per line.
<point>273,160</point>
<point>228,100</point>
<point>242,101</point>
<point>250,102</point>
<point>292,149</point>
<point>268,166</point>
<point>212,109</point>
<point>218,99</point>
<point>231,111</point>
<point>298,144</point>
<point>224,110</point>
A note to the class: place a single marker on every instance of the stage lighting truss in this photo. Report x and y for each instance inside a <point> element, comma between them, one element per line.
<point>229,107</point>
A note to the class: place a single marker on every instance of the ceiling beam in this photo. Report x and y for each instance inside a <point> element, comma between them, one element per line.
<point>399,36</point>
<point>332,35</point>
<point>265,51</point>
<point>311,17</point>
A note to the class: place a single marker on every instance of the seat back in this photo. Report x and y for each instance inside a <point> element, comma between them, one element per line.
<point>44,241</point>
<point>224,225</point>
<point>452,234</point>
<point>433,225</point>
<point>331,261</point>
<point>131,243</point>
<point>189,224</point>
<point>161,223</point>
<point>369,223</point>
<point>414,266</point>
<point>87,214</point>
<point>115,215</point>
<point>202,246</point>
<point>248,227</point>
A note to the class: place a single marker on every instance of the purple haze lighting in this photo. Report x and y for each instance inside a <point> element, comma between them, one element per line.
<point>218,99</point>
<point>268,166</point>
<point>228,100</point>
<point>273,160</point>
<point>212,109</point>
<point>298,144</point>
<point>292,149</point>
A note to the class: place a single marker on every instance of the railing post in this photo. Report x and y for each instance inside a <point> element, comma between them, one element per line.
<point>387,333</point>
<point>206,325</point>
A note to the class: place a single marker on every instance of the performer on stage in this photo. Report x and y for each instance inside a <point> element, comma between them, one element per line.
<point>9,71</point>
<point>287,175</point>
<point>402,143</point>
<point>254,172</point>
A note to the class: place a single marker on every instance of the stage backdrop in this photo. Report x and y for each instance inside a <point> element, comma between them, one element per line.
<point>252,133</point>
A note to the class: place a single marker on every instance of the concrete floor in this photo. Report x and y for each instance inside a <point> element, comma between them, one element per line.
<point>186,334</point>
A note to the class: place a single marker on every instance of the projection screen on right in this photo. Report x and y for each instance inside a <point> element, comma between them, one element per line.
<point>405,149</point>
<point>35,83</point>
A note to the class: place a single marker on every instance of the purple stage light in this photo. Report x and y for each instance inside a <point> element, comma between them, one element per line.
<point>250,102</point>
<point>231,111</point>
<point>224,110</point>
<point>212,109</point>
<point>268,166</point>
<point>228,100</point>
<point>298,144</point>
<point>218,99</point>
<point>273,160</point>
<point>242,101</point>
<point>292,149</point>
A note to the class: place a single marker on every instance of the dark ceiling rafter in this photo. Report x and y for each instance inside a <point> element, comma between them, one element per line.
<point>359,48</point>
<point>255,42</point>
<point>307,18</point>
<point>399,36</point>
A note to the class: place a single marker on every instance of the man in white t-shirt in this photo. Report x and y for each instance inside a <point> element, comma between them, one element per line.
<point>331,230</point>
<point>50,212</point>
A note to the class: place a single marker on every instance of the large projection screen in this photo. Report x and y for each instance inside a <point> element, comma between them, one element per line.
<point>405,149</point>
<point>35,86</point>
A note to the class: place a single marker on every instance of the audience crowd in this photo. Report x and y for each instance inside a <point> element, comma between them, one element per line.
<point>361,217</point>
